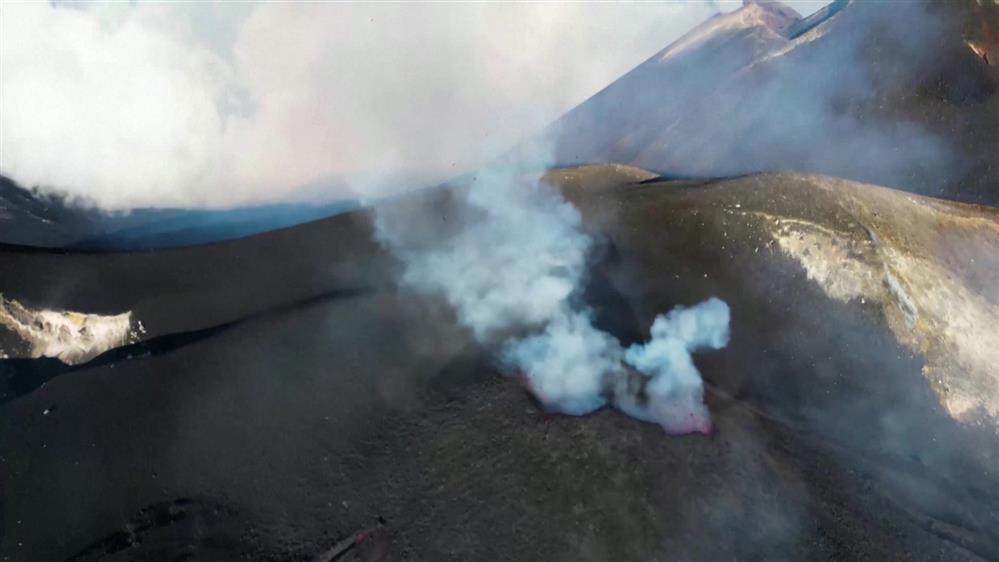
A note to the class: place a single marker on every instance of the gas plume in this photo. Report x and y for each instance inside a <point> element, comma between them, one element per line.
<point>512,267</point>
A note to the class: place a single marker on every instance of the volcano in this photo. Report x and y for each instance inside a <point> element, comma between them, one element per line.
<point>283,396</point>
<point>279,416</point>
<point>904,97</point>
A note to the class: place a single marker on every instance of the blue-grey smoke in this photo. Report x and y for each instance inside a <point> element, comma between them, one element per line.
<point>568,365</point>
<point>674,391</point>
<point>512,269</point>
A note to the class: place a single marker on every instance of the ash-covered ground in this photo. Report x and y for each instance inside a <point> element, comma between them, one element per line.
<point>292,395</point>
<point>292,427</point>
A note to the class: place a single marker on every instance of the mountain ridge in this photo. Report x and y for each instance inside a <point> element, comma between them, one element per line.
<point>893,98</point>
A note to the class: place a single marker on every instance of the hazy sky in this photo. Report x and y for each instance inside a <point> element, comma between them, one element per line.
<point>215,104</point>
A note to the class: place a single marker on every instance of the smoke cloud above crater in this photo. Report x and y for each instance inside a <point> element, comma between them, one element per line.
<point>217,104</point>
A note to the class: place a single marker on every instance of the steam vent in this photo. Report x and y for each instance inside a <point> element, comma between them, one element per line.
<point>738,300</point>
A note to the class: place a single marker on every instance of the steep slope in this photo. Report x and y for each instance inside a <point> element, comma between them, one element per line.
<point>894,95</point>
<point>843,430</point>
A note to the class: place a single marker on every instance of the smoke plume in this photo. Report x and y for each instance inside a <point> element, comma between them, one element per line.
<point>215,104</point>
<point>674,393</point>
<point>512,266</point>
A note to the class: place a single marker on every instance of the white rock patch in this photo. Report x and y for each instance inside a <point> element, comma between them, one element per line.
<point>71,337</point>
<point>928,309</point>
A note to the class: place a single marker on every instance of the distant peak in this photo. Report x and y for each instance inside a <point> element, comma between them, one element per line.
<point>768,14</point>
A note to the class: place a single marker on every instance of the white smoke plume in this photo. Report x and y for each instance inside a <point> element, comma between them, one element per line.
<point>513,264</point>
<point>674,392</point>
<point>215,104</point>
<point>193,104</point>
<point>569,365</point>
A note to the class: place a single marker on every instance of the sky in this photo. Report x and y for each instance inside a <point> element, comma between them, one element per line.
<point>200,104</point>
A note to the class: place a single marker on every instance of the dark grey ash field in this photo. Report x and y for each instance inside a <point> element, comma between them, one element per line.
<point>294,394</point>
